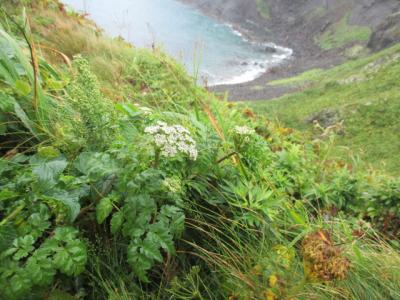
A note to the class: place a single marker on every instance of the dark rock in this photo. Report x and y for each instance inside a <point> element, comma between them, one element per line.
<point>270,49</point>
<point>387,34</point>
<point>325,118</point>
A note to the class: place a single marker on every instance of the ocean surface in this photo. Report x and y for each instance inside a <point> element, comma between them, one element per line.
<point>209,50</point>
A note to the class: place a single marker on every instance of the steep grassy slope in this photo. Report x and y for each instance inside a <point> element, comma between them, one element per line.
<point>364,93</point>
<point>122,179</point>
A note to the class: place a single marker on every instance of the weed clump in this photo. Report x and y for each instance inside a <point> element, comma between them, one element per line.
<point>323,260</point>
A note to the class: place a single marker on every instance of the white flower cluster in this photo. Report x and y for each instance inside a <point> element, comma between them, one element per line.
<point>244,130</point>
<point>172,140</point>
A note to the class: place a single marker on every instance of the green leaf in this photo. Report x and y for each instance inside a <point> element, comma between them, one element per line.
<point>20,113</point>
<point>55,85</point>
<point>104,209</point>
<point>22,87</point>
<point>48,152</point>
<point>40,268</point>
<point>48,172</point>
<point>150,247</point>
<point>71,254</point>
<point>116,222</point>
<point>6,102</point>
<point>161,236</point>
<point>70,200</point>
<point>139,262</point>
<point>22,246</point>
<point>6,194</point>
<point>95,165</point>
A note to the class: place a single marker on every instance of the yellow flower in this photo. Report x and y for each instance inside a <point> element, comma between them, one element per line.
<point>269,295</point>
<point>272,280</point>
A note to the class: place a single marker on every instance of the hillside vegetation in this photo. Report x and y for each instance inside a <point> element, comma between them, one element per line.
<point>361,95</point>
<point>121,179</point>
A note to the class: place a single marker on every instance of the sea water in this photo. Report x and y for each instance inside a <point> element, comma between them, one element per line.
<point>211,51</point>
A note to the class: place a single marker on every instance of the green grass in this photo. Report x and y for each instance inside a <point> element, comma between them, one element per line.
<point>364,93</point>
<point>309,75</point>
<point>263,8</point>
<point>341,34</point>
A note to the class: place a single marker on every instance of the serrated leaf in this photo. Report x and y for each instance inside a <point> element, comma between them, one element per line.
<point>22,246</point>
<point>71,255</point>
<point>161,236</point>
<point>139,262</point>
<point>150,247</point>
<point>104,209</point>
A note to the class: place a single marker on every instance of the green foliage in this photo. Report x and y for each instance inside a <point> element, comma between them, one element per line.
<point>362,92</point>
<point>95,111</point>
<point>341,34</point>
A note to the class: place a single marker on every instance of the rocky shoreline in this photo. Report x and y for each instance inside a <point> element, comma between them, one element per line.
<point>296,26</point>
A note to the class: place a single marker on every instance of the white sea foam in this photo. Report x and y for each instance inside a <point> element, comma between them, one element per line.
<point>252,69</point>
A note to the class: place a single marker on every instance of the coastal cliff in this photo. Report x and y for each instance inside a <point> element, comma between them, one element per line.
<point>322,33</point>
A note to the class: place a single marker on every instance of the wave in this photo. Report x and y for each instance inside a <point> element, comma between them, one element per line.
<point>253,69</point>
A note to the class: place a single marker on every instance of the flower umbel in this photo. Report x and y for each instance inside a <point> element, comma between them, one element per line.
<point>172,140</point>
<point>244,130</point>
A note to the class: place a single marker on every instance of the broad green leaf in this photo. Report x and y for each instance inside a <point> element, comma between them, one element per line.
<point>95,165</point>
<point>6,194</point>
<point>48,172</point>
<point>22,87</point>
<point>116,221</point>
<point>104,209</point>
<point>70,199</point>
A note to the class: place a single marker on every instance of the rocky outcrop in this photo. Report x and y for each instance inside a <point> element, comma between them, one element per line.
<point>298,24</point>
<point>386,34</point>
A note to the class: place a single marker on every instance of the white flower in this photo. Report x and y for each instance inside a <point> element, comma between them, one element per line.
<point>244,130</point>
<point>172,140</point>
